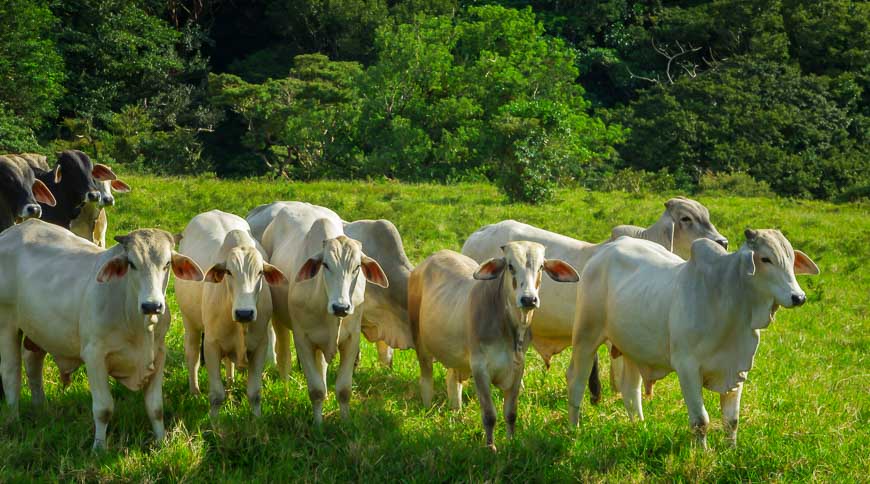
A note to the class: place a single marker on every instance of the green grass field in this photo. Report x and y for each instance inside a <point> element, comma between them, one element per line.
<point>805,413</point>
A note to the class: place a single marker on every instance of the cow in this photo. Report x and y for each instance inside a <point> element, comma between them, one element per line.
<point>701,318</point>
<point>102,308</point>
<point>476,318</point>
<point>92,222</point>
<point>20,192</point>
<point>682,220</point>
<point>73,181</point>
<point>322,304</point>
<point>231,308</point>
<point>385,312</point>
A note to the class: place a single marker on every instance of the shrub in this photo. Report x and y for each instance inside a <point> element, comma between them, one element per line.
<point>738,183</point>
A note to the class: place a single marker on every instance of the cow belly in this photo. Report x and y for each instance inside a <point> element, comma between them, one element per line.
<point>59,340</point>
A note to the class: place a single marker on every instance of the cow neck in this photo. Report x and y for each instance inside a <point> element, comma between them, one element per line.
<point>67,206</point>
<point>7,218</point>
<point>661,230</point>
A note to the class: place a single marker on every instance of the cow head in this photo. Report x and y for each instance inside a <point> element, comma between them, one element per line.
<point>78,176</point>
<point>21,191</point>
<point>106,188</point>
<point>772,263</point>
<point>243,270</point>
<point>143,260</point>
<point>688,220</point>
<point>525,264</point>
<point>345,269</point>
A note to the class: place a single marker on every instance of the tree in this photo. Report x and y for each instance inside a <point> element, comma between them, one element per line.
<point>31,72</point>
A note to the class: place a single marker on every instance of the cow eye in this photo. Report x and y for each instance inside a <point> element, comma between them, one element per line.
<point>166,267</point>
<point>325,266</point>
<point>130,263</point>
<point>686,219</point>
<point>511,268</point>
<point>766,260</point>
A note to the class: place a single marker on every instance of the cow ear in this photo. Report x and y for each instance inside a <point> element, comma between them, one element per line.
<point>490,269</point>
<point>373,272</point>
<point>115,268</point>
<point>57,175</point>
<point>176,238</point>
<point>560,271</point>
<point>185,268</point>
<point>749,262</point>
<point>216,273</point>
<point>273,275</point>
<point>102,172</point>
<point>309,268</point>
<point>804,265</point>
<point>42,194</point>
<point>120,186</point>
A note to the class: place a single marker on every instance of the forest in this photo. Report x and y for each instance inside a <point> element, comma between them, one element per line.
<point>773,95</point>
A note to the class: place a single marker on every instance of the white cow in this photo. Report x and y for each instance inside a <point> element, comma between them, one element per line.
<point>682,222</point>
<point>92,223</point>
<point>231,306</point>
<point>83,304</point>
<point>385,310</point>
<point>700,318</point>
<point>475,319</point>
<point>322,305</point>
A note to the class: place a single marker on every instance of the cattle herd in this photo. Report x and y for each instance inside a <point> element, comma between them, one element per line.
<point>669,298</point>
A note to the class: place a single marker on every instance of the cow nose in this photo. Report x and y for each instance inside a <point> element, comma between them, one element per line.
<point>152,308</point>
<point>798,299</point>
<point>108,201</point>
<point>33,210</point>
<point>93,196</point>
<point>340,310</point>
<point>723,242</point>
<point>244,315</point>
<point>529,301</point>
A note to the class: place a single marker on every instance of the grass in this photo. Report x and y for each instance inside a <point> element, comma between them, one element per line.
<point>804,416</point>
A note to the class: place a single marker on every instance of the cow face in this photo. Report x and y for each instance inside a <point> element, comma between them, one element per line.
<point>773,263</point>
<point>78,176</point>
<point>244,271</point>
<point>144,262</point>
<point>107,187</point>
<point>525,264</point>
<point>21,191</point>
<point>691,221</point>
<point>345,269</point>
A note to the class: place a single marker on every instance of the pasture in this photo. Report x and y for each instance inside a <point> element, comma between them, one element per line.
<point>805,413</point>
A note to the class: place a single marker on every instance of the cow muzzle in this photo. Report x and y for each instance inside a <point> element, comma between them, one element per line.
<point>31,210</point>
<point>151,307</point>
<point>341,310</point>
<point>723,242</point>
<point>244,315</point>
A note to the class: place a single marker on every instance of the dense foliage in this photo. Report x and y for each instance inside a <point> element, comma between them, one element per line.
<point>527,93</point>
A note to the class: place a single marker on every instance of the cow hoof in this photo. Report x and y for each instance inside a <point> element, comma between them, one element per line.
<point>99,445</point>
<point>492,448</point>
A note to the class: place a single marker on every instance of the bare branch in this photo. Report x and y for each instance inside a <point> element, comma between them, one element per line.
<point>632,75</point>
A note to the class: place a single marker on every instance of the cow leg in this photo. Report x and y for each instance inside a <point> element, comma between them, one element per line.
<point>615,369</point>
<point>484,396</point>
<point>344,380</point>
<point>322,366</point>
<point>255,377</point>
<point>192,341</point>
<point>216,392</point>
<point>691,385</point>
<point>101,394</point>
<point>730,403</point>
<point>100,227</point>
<point>154,395</point>
<point>511,399</point>
<point>313,376</point>
<point>231,371</point>
<point>454,389</point>
<point>385,354</point>
<point>426,384</point>
<point>34,361</point>
<point>582,362</point>
<point>10,365</point>
<point>282,350</point>
<point>630,387</point>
